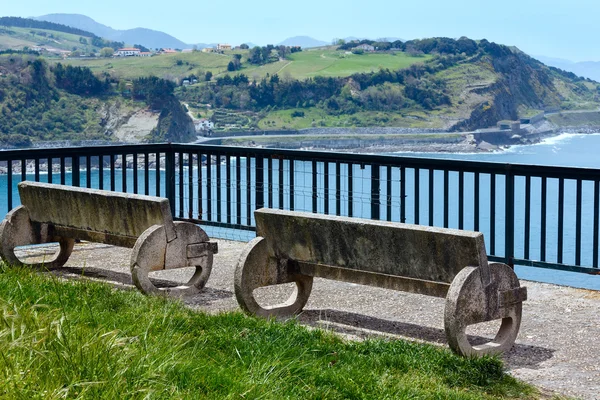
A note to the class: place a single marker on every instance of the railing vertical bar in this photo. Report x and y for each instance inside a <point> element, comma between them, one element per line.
<point>260,182</point>
<point>493,213</point>
<point>417,194</point>
<point>238,190</point>
<point>50,170</point>
<point>596,242</point>
<point>190,185</point>
<point>281,188</point>
<point>135,173</point>
<point>23,169</point>
<point>543,220</point>
<point>561,212</point>
<point>157,174</point>
<point>291,170</point>
<point>170,178</point>
<point>62,170</point>
<point>430,194</point>
<point>388,192</point>
<point>180,183</point>
<point>101,172</point>
<point>270,183</point>
<point>37,169</point>
<point>124,172</point>
<point>578,224</point>
<point>446,199</point>
<point>228,188</point>
<point>75,171</point>
<point>219,187</point>
<point>476,184</point>
<point>402,194</point>
<point>146,174</point>
<point>314,186</point>
<point>326,187</point>
<point>9,185</point>
<point>112,173</point>
<point>350,189</point>
<point>338,188</point>
<point>527,232</point>
<point>200,186</point>
<point>461,200</point>
<point>509,217</point>
<point>88,169</point>
<point>375,192</point>
<point>248,191</point>
<point>208,187</point>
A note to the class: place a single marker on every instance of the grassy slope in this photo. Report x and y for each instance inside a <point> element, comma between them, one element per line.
<point>65,339</point>
<point>20,37</point>
<point>322,62</point>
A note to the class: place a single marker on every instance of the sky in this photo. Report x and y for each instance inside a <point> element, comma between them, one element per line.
<point>551,28</point>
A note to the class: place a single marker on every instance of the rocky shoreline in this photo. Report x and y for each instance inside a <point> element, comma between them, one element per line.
<point>454,143</point>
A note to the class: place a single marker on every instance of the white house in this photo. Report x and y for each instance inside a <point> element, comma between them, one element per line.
<point>127,52</point>
<point>223,46</point>
<point>365,47</point>
<point>203,125</point>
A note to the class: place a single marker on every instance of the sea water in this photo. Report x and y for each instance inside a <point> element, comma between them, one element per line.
<point>570,150</point>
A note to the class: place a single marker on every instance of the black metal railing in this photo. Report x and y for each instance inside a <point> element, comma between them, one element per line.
<point>531,215</point>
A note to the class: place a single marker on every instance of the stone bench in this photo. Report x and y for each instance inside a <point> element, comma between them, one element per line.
<point>57,213</point>
<point>297,246</point>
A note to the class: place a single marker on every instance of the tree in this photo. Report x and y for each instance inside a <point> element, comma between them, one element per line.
<point>244,46</point>
<point>208,76</point>
<point>142,48</point>
<point>230,66</point>
<point>106,52</point>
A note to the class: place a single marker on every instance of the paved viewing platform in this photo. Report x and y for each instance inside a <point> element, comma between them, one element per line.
<point>556,350</point>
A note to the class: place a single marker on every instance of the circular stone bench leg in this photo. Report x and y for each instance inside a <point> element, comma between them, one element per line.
<point>150,252</point>
<point>467,304</point>
<point>16,230</point>
<point>254,270</point>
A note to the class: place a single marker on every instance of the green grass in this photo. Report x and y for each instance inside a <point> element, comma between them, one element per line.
<point>163,66</point>
<point>22,37</point>
<point>315,118</point>
<point>305,64</point>
<point>87,340</point>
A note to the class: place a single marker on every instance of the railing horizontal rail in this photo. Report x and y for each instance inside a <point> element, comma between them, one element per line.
<point>541,216</point>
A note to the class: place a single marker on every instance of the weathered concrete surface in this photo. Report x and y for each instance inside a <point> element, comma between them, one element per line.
<point>297,246</point>
<point>106,217</point>
<point>556,348</point>
<point>56,213</point>
<point>391,248</point>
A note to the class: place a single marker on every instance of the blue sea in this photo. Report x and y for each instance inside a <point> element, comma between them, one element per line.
<point>570,150</point>
<point>577,150</point>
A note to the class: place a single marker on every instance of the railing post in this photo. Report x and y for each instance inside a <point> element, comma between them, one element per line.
<point>260,182</point>
<point>375,191</point>
<point>170,177</point>
<point>509,220</point>
<point>75,171</point>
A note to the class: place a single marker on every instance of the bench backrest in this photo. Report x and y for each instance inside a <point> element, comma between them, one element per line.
<point>111,214</point>
<point>392,248</point>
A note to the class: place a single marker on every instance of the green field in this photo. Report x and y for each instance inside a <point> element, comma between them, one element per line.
<point>309,63</point>
<point>163,65</point>
<point>16,38</point>
<point>315,117</point>
<point>330,62</point>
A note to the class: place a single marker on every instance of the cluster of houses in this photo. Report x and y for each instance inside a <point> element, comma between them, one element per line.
<point>135,52</point>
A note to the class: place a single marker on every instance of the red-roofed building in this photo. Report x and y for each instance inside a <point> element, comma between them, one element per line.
<point>127,51</point>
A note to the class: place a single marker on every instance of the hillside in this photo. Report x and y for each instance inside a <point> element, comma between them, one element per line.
<point>436,83</point>
<point>147,37</point>
<point>38,103</point>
